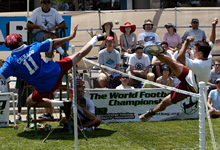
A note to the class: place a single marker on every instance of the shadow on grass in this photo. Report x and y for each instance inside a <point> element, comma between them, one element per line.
<point>58,134</point>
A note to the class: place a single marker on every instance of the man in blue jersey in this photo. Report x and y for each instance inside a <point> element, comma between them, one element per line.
<point>25,62</point>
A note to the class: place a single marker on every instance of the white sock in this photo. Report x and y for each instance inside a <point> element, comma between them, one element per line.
<point>93,41</point>
<point>60,50</point>
<point>19,114</point>
<point>56,103</point>
<point>48,59</point>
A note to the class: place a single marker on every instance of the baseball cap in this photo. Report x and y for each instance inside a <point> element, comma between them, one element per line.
<point>195,20</point>
<point>165,67</point>
<point>11,39</point>
<point>109,38</point>
<point>169,25</point>
<point>138,47</point>
<point>218,80</point>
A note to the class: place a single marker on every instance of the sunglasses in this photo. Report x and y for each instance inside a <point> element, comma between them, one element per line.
<point>168,27</point>
<point>195,22</point>
<point>48,2</point>
<point>125,77</point>
<point>217,64</point>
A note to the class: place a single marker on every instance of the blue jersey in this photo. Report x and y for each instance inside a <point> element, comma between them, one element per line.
<point>26,63</point>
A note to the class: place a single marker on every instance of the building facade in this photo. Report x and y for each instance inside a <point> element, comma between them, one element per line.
<point>83,5</point>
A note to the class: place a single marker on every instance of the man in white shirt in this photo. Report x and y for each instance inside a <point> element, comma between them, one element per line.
<point>190,72</point>
<point>138,66</point>
<point>44,21</point>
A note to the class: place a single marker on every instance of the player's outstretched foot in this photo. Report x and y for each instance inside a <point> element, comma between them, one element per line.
<point>67,108</point>
<point>100,36</point>
<point>65,55</point>
<point>146,116</point>
<point>155,50</point>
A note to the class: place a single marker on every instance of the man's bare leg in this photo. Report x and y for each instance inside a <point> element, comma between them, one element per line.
<point>163,104</point>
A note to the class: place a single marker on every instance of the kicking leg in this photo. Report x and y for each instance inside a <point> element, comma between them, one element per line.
<point>160,107</point>
<point>175,67</point>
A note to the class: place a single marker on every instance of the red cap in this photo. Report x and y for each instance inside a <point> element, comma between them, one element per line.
<point>109,38</point>
<point>12,39</point>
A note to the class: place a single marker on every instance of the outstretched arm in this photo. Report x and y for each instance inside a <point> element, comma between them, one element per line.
<point>213,33</point>
<point>181,56</point>
<point>60,41</point>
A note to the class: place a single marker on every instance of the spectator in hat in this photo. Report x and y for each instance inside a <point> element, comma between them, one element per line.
<point>214,101</point>
<point>165,79</point>
<point>148,37</point>
<point>110,58</point>
<point>198,34</point>
<point>107,29</point>
<point>172,38</point>
<point>138,66</point>
<point>128,40</point>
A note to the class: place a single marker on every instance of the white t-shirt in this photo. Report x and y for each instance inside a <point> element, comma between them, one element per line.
<point>89,106</point>
<point>4,85</point>
<point>139,64</point>
<point>200,68</point>
<point>174,56</point>
<point>47,20</point>
<point>109,59</point>
<point>149,38</point>
<point>124,87</point>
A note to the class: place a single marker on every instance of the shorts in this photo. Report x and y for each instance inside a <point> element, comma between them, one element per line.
<point>22,96</point>
<point>177,97</point>
<point>65,65</point>
<point>39,36</point>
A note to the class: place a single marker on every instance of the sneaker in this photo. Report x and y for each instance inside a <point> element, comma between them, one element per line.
<point>155,50</point>
<point>46,116</point>
<point>42,116</point>
<point>18,118</point>
<point>65,55</point>
<point>30,118</point>
<point>67,108</point>
<point>100,36</point>
<point>146,116</point>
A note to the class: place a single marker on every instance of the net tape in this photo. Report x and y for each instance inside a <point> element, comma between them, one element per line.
<point>143,80</point>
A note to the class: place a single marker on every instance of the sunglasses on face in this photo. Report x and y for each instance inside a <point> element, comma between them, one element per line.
<point>217,64</point>
<point>124,77</point>
<point>168,27</point>
<point>48,2</point>
<point>195,22</point>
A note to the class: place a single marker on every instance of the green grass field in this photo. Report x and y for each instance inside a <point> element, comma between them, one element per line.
<point>177,134</point>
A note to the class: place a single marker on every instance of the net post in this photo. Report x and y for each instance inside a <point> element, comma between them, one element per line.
<point>202,87</point>
<point>75,102</point>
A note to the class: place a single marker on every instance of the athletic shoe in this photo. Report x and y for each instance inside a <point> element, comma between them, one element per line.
<point>30,118</point>
<point>65,55</point>
<point>67,108</point>
<point>18,118</point>
<point>100,36</point>
<point>46,116</point>
<point>155,50</point>
<point>146,116</point>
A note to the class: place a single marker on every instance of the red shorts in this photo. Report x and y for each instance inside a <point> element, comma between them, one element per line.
<point>175,96</point>
<point>65,65</point>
